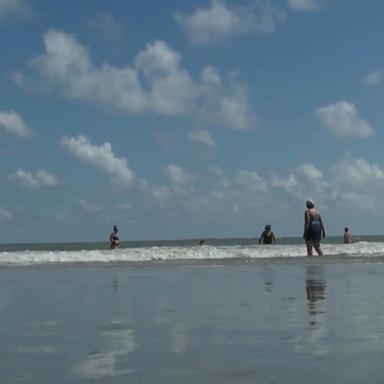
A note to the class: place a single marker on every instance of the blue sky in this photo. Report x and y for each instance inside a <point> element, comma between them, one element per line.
<point>189,119</point>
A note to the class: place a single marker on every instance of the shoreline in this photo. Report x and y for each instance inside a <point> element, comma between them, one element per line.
<point>219,262</point>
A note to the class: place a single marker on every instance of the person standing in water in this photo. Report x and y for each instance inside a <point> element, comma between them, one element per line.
<point>313,228</point>
<point>347,236</point>
<point>267,236</point>
<point>114,239</point>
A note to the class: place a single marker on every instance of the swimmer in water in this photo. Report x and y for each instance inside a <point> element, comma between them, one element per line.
<point>114,239</point>
<point>347,236</point>
<point>267,236</point>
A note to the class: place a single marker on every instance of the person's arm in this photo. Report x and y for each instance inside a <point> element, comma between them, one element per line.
<point>274,238</point>
<point>322,226</point>
<point>261,237</point>
<point>306,224</point>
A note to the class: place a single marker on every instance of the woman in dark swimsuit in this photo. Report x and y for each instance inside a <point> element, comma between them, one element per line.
<point>267,237</point>
<point>313,229</point>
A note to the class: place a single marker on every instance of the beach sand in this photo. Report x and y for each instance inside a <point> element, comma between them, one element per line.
<point>267,323</point>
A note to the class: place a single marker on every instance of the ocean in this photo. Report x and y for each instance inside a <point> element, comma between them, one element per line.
<point>187,251</point>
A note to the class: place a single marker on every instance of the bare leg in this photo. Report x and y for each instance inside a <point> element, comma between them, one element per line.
<point>309,244</point>
<point>317,247</point>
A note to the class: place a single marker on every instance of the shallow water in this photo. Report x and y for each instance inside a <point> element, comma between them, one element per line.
<point>272,323</point>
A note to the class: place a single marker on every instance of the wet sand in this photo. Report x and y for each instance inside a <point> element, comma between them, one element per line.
<point>266,323</point>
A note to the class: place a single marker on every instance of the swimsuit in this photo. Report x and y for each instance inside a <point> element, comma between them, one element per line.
<point>267,238</point>
<point>314,229</point>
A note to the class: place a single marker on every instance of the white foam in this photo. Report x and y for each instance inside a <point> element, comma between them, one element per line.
<point>206,252</point>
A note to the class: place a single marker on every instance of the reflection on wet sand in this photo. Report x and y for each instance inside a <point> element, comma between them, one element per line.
<point>268,279</point>
<point>316,290</point>
<point>119,340</point>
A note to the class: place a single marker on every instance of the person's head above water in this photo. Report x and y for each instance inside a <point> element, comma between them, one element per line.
<point>267,227</point>
<point>346,229</point>
<point>309,204</point>
<point>115,229</point>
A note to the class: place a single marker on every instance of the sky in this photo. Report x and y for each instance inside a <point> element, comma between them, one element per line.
<point>189,119</point>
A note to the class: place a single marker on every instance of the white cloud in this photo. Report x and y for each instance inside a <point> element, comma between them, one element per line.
<point>303,181</point>
<point>17,7</point>
<point>12,122</point>
<point>220,21</point>
<point>177,175</point>
<point>87,207</point>
<point>220,196</point>
<point>4,215</point>
<point>235,110</point>
<point>374,78</point>
<point>359,175</point>
<point>250,181</point>
<point>101,157</point>
<point>352,184</point>
<point>219,178</point>
<point>156,82</point>
<point>106,25</point>
<point>202,137</point>
<point>173,90</point>
<point>342,119</point>
<point>40,179</point>
<point>66,66</point>
<point>304,5</point>
<point>226,105</point>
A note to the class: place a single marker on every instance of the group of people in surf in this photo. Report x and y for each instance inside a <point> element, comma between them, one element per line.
<point>313,231</point>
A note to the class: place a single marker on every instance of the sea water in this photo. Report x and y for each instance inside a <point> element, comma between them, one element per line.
<point>186,251</point>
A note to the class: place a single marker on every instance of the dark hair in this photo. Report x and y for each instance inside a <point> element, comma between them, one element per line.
<point>267,227</point>
<point>309,204</point>
<point>346,229</point>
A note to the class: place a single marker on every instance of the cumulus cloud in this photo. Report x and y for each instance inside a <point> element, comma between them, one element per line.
<point>304,5</point>
<point>106,25</point>
<point>226,104</point>
<point>343,120</point>
<point>15,7</point>
<point>177,175</point>
<point>357,175</point>
<point>221,21</point>
<point>351,183</point>
<point>250,181</point>
<point>87,207</point>
<point>202,137</point>
<point>39,179</point>
<point>374,78</point>
<point>303,181</point>
<point>101,157</point>
<point>235,110</point>
<point>11,122</point>
<point>155,82</point>
<point>4,215</point>
<point>219,196</point>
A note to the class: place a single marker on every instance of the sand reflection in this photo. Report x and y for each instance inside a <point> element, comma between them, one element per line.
<point>315,288</point>
<point>119,338</point>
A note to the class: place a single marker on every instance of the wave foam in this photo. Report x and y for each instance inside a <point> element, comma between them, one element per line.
<point>203,253</point>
